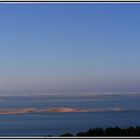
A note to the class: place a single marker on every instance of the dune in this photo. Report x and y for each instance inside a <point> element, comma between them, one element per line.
<point>108,110</point>
<point>64,109</point>
<point>16,111</point>
<point>57,109</point>
<point>31,110</point>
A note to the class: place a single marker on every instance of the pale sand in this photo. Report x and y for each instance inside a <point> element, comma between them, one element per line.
<point>16,111</point>
<point>58,109</point>
<point>64,109</point>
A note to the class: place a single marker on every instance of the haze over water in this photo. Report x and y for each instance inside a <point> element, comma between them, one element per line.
<point>55,115</point>
<point>68,67</point>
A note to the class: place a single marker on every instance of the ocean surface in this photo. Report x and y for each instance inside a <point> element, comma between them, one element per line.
<point>57,114</point>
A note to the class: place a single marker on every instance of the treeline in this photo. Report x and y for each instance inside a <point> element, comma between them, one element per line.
<point>116,131</point>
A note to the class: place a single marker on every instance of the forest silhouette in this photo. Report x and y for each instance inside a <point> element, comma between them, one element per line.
<point>116,131</point>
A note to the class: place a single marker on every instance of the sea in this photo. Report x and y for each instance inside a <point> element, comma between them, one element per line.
<point>37,115</point>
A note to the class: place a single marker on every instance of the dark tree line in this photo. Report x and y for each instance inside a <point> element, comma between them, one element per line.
<point>116,131</point>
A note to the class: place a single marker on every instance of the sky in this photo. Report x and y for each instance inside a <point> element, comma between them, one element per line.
<point>69,48</point>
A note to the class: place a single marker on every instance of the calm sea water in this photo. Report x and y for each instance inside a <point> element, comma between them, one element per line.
<point>57,123</point>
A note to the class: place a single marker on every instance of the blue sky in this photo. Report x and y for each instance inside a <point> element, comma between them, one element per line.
<point>69,48</point>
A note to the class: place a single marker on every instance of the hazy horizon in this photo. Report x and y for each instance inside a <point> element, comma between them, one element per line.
<point>71,48</point>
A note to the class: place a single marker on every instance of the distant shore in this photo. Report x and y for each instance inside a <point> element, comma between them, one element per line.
<point>110,131</point>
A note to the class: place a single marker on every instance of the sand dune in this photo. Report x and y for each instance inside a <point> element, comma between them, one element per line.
<point>16,111</point>
<point>64,109</point>
<point>58,109</point>
<point>108,110</point>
